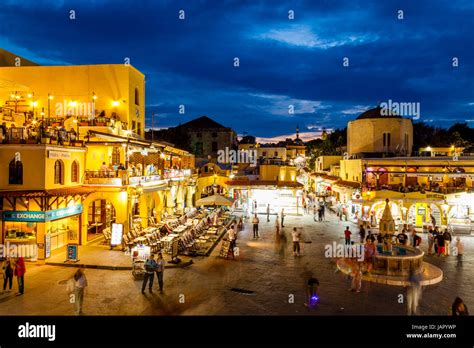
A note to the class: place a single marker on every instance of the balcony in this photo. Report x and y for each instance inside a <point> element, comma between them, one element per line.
<point>38,135</point>
<point>127,177</point>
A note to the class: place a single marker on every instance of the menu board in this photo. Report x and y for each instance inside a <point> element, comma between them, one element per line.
<point>117,234</point>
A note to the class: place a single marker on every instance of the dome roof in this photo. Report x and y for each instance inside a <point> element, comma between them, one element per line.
<point>375,113</point>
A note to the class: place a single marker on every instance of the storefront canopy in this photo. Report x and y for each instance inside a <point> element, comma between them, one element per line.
<point>215,200</point>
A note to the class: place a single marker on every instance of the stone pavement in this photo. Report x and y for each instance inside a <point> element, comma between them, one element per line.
<point>266,271</point>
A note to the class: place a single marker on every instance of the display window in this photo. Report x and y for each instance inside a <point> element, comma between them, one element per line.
<point>62,231</point>
<point>25,231</point>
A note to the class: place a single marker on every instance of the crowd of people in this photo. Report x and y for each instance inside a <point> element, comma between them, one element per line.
<point>14,268</point>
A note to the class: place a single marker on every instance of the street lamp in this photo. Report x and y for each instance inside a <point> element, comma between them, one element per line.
<point>50,97</point>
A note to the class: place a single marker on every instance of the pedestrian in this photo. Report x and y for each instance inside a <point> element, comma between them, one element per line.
<point>19,271</point>
<point>356,283</point>
<point>322,211</point>
<point>320,214</point>
<point>402,238</point>
<point>7,271</point>
<point>305,208</point>
<point>459,251</point>
<point>370,236</point>
<point>282,217</point>
<point>369,252</point>
<point>430,241</point>
<point>160,269</point>
<point>459,308</point>
<point>414,291</point>
<point>296,241</point>
<point>315,211</point>
<point>80,283</point>
<point>440,242</point>
<point>416,239</point>
<point>268,212</point>
<point>347,235</point>
<point>362,233</point>
<point>255,222</point>
<point>447,241</point>
<point>277,224</point>
<point>312,292</point>
<point>150,267</point>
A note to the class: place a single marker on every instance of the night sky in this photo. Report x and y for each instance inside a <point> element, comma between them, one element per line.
<point>282,61</point>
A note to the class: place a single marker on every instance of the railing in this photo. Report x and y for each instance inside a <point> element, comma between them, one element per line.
<point>32,135</point>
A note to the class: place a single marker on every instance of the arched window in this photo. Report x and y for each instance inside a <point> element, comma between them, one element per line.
<point>15,171</point>
<point>75,172</point>
<point>137,96</point>
<point>58,172</point>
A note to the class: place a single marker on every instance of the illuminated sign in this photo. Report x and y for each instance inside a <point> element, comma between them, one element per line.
<point>117,233</point>
<point>41,216</point>
<point>59,154</point>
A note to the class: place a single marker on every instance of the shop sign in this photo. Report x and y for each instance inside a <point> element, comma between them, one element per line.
<point>59,154</point>
<point>72,252</point>
<point>117,233</point>
<point>63,212</point>
<point>24,216</point>
<point>41,216</point>
<point>47,244</point>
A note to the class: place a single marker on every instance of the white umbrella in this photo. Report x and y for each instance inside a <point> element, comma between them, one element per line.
<point>215,200</point>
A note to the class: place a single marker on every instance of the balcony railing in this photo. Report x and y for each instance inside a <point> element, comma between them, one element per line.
<point>38,135</point>
<point>125,177</point>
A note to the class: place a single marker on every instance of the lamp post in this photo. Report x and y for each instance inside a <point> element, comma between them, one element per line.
<point>50,97</point>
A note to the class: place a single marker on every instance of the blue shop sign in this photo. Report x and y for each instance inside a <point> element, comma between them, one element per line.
<point>41,216</point>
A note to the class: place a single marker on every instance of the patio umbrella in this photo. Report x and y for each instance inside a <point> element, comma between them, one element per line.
<point>215,200</point>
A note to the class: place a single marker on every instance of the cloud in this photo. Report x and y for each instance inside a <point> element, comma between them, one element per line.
<point>305,136</point>
<point>304,36</point>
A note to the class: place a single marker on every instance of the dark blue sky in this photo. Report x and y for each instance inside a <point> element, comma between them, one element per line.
<point>282,62</point>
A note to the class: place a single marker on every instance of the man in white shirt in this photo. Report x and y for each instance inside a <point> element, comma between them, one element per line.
<point>255,222</point>
<point>296,241</point>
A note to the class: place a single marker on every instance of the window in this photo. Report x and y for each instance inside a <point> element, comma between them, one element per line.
<point>276,153</point>
<point>214,146</point>
<point>214,135</point>
<point>116,155</point>
<point>58,172</point>
<point>75,172</point>
<point>15,171</point>
<point>199,149</point>
<point>139,128</point>
<point>347,176</point>
<point>134,126</point>
<point>386,139</point>
<point>264,153</point>
<point>198,135</point>
<point>137,96</point>
<point>406,142</point>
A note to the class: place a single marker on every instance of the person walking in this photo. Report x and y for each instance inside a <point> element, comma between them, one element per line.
<point>296,241</point>
<point>315,211</point>
<point>322,211</point>
<point>362,233</point>
<point>459,251</point>
<point>282,217</point>
<point>80,283</point>
<point>160,269</point>
<point>19,272</point>
<point>447,242</point>
<point>440,242</point>
<point>268,212</point>
<point>150,267</point>
<point>7,271</point>
<point>459,308</point>
<point>347,235</point>
<point>356,283</point>
<point>414,291</point>
<point>255,222</point>
<point>430,241</point>
<point>277,224</point>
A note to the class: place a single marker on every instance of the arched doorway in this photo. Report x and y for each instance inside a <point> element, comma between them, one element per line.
<point>101,215</point>
<point>213,190</point>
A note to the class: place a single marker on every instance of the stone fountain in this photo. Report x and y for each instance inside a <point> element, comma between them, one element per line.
<point>392,262</point>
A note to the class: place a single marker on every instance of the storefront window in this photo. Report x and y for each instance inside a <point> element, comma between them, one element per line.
<point>25,231</point>
<point>101,215</point>
<point>62,231</point>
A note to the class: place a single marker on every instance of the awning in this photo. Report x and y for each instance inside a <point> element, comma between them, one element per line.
<point>245,183</point>
<point>69,191</point>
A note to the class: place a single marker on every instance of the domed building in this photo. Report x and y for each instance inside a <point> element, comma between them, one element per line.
<point>375,133</point>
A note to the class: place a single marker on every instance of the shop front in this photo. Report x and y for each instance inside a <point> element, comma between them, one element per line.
<point>48,231</point>
<point>460,212</point>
